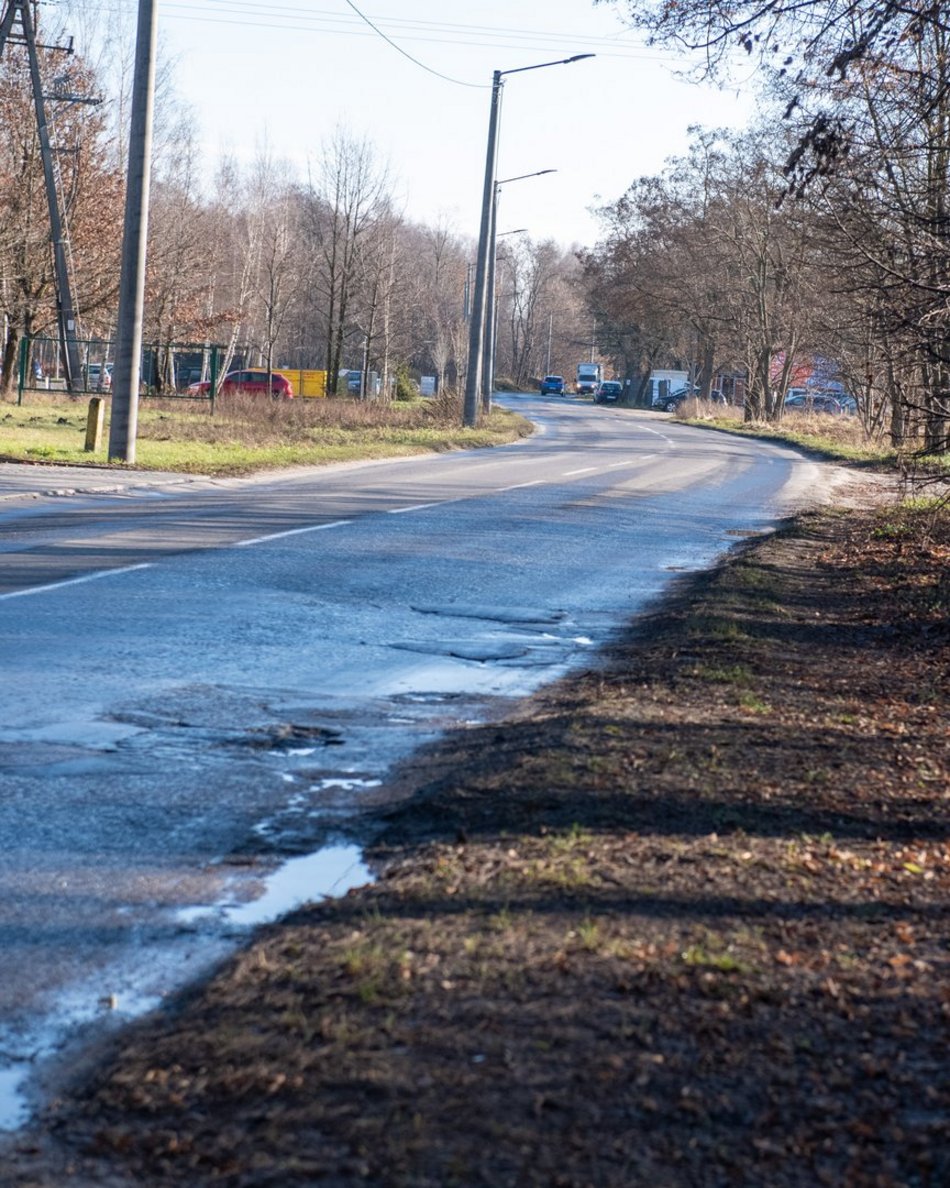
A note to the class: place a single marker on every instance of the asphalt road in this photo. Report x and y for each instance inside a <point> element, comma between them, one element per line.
<point>203,678</point>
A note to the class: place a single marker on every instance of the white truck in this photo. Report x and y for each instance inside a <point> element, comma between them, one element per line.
<point>588,379</point>
<point>663,385</point>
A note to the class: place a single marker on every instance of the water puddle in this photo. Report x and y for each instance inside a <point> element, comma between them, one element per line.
<point>13,1109</point>
<point>325,874</point>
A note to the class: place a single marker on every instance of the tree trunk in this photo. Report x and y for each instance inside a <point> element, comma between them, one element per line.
<point>11,354</point>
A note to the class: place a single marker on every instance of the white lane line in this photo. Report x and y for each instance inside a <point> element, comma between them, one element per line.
<point>78,581</point>
<point>583,470</point>
<point>632,461</point>
<point>657,433</point>
<point>396,511</point>
<point>243,544</point>
<point>518,486</point>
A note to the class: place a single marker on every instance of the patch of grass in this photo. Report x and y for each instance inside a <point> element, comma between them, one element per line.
<point>588,933</point>
<point>724,962</point>
<point>565,843</point>
<point>750,577</point>
<point>247,435</point>
<point>836,438</point>
<point>565,873</point>
<point>891,530</point>
<point>375,970</point>
<point>733,674</point>
<point>501,921</point>
<point>839,439</point>
<point>715,627</point>
<point>754,705</point>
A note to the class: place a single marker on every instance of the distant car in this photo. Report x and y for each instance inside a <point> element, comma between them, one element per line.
<point>186,376</point>
<point>552,385</point>
<point>671,402</point>
<point>252,380</point>
<point>609,391</point>
<point>814,402</point>
<point>98,377</point>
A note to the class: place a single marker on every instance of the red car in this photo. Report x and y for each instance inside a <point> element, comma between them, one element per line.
<point>252,380</point>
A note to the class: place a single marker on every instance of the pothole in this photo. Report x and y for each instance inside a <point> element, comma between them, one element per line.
<point>288,736</point>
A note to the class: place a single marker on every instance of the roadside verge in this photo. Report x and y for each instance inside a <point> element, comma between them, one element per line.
<point>683,921</point>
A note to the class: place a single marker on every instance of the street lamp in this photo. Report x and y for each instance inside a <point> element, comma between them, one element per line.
<point>488,348</point>
<point>477,325</point>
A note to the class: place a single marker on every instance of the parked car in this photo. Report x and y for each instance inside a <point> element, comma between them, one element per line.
<point>814,402</point>
<point>672,402</point>
<point>252,380</point>
<point>608,392</point>
<point>353,381</point>
<point>552,385</point>
<point>186,376</point>
<point>98,377</point>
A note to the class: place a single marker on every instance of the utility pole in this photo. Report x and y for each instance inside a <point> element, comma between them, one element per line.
<point>65,310</point>
<point>476,336</point>
<point>128,357</point>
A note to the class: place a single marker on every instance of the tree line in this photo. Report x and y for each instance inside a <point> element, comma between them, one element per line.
<point>323,271</point>
<point>823,232</point>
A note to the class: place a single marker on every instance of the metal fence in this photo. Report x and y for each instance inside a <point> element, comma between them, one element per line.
<point>169,371</point>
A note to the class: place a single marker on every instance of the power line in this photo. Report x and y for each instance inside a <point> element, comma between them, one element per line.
<point>278,18</point>
<point>405,54</point>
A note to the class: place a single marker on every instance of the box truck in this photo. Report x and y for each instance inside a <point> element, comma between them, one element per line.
<point>588,379</point>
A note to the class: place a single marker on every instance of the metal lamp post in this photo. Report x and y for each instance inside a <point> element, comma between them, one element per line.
<point>476,336</point>
<point>488,349</point>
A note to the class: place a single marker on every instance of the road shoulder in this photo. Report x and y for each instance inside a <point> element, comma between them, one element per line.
<point>682,921</point>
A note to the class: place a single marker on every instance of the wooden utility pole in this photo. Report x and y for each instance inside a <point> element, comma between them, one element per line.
<point>19,10</point>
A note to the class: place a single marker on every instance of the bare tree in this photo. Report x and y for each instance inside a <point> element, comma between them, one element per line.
<point>180,255</point>
<point>348,196</point>
<point>531,284</point>
<point>433,288</point>
<point>88,192</point>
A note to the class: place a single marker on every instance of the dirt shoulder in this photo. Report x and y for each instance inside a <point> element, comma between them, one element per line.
<point>684,921</point>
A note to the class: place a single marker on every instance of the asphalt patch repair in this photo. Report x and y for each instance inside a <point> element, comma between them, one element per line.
<point>683,921</point>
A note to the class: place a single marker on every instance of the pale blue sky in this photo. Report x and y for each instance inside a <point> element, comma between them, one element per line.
<point>291,72</point>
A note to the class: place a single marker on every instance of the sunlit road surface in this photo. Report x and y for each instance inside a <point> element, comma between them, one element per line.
<point>203,679</point>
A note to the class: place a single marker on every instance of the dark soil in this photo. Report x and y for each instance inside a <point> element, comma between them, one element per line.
<point>682,922</point>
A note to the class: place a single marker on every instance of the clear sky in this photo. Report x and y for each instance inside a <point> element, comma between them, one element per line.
<point>291,72</point>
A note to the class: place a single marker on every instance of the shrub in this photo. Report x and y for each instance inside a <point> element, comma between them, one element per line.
<point>406,387</point>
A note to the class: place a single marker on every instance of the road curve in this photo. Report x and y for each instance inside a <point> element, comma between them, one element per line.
<point>203,678</point>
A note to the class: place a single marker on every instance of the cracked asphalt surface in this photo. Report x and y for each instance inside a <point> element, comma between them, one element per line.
<point>206,678</point>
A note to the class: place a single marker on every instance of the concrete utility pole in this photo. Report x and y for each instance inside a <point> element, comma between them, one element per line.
<point>476,325</point>
<point>476,336</point>
<point>128,356</point>
<point>65,310</point>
